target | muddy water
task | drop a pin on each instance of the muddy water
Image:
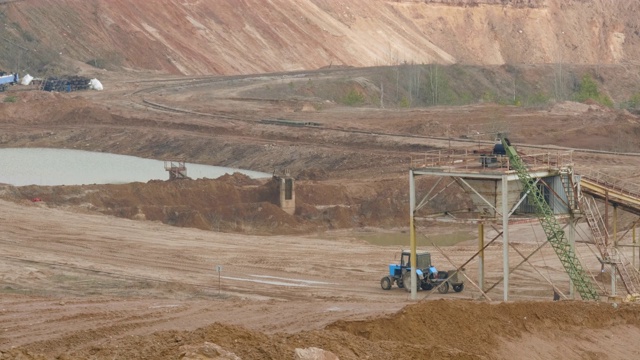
(39, 166)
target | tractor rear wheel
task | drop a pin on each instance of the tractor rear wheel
(444, 288)
(386, 282)
(458, 288)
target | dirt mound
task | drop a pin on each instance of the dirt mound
(41, 107)
(573, 108)
(231, 203)
(440, 329)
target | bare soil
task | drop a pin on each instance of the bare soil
(100, 272)
(213, 268)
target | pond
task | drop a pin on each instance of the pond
(49, 167)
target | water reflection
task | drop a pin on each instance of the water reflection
(40, 166)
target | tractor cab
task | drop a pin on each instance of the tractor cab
(423, 264)
(423, 260)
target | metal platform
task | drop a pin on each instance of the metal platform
(495, 189)
(478, 165)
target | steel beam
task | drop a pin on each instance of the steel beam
(412, 235)
(511, 175)
(481, 255)
(505, 236)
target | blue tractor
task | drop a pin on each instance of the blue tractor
(428, 276)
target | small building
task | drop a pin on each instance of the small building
(287, 197)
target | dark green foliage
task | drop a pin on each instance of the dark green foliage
(588, 90)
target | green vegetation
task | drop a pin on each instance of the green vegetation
(404, 102)
(353, 98)
(588, 90)
(537, 99)
(413, 85)
(633, 104)
(423, 85)
(10, 99)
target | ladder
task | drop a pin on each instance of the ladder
(553, 230)
(566, 177)
(624, 274)
(594, 219)
(601, 238)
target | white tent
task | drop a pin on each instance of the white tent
(95, 84)
(26, 80)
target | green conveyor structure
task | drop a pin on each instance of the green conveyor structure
(554, 232)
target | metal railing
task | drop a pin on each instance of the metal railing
(465, 159)
(612, 183)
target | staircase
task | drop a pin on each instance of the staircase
(604, 187)
(627, 281)
(596, 224)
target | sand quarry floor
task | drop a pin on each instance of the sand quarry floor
(76, 283)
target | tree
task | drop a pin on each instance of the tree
(588, 89)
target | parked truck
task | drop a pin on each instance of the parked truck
(428, 276)
(7, 79)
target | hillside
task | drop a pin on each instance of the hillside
(253, 36)
(216, 269)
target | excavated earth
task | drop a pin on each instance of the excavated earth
(130, 270)
(213, 268)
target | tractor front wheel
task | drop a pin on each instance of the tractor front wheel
(458, 288)
(386, 283)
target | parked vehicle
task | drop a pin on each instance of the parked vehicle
(428, 276)
(8, 79)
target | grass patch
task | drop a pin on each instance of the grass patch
(10, 99)
(402, 239)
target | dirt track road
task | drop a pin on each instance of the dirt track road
(122, 277)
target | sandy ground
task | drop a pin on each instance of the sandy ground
(81, 285)
(77, 283)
